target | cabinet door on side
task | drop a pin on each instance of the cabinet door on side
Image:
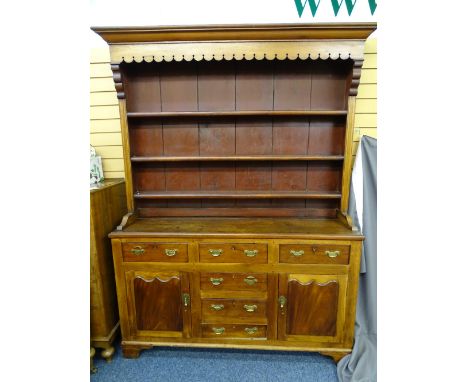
(159, 303)
(311, 307)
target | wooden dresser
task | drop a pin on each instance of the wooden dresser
(238, 150)
(108, 205)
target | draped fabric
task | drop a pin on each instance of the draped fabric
(361, 364)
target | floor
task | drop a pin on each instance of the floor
(221, 365)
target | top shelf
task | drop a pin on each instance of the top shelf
(245, 113)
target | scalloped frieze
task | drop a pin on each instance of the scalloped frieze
(258, 50)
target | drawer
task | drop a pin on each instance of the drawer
(245, 310)
(314, 253)
(233, 281)
(164, 252)
(233, 331)
(233, 253)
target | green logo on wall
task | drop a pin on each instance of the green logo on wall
(336, 4)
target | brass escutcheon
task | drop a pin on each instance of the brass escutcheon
(170, 252)
(296, 253)
(217, 307)
(250, 252)
(137, 250)
(250, 308)
(250, 280)
(251, 330)
(218, 330)
(215, 252)
(332, 254)
(186, 299)
(216, 281)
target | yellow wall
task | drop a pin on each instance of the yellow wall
(105, 126)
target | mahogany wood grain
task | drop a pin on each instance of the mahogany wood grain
(312, 308)
(142, 87)
(158, 302)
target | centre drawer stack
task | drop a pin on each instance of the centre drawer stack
(234, 305)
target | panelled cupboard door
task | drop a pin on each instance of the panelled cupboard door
(311, 307)
(159, 303)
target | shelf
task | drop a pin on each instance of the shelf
(250, 113)
(138, 159)
(237, 195)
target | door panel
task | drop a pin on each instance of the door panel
(313, 308)
(157, 305)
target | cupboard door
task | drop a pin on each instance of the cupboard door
(159, 303)
(311, 307)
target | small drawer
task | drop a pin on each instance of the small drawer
(245, 310)
(233, 281)
(163, 252)
(233, 253)
(233, 331)
(314, 254)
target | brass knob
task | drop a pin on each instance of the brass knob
(216, 280)
(250, 308)
(215, 252)
(332, 254)
(250, 252)
(138, 250)
(170, 252)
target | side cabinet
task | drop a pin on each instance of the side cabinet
(159, 304)
(311, 307)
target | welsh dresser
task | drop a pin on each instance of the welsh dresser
(237, 145)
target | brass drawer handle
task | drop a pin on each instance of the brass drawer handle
(250, 280)
(216, 281)
(186, 299)
(170, 252)
(217, 307)
(218, 330)
(332, 254)
(215, 252)
(251, 330)
(137, 250)
(250, 308)
(250, 252)
(296, 253)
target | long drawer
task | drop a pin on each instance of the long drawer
(314, 254)
(161, 252)
(233, 310)
(234, 331)
(233, 281)
(233, 253)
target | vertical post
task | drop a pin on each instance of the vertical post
(117, 76)
(348, 153)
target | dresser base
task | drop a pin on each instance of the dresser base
(132, 349)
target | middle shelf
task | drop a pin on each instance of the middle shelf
(141, 159)
(236, 195)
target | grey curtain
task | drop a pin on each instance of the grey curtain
(361, 364)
